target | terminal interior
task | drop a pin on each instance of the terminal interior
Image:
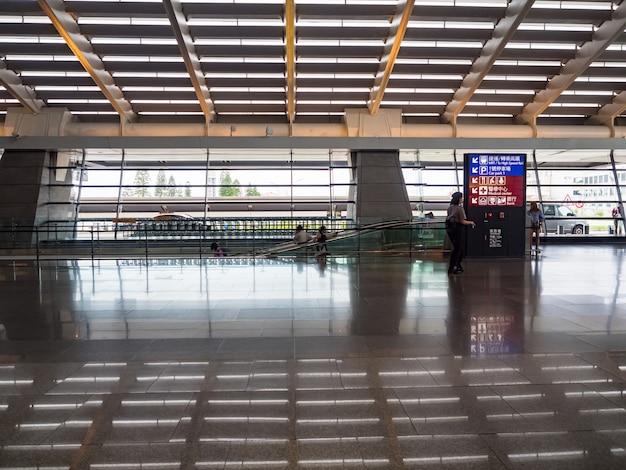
(134, 134)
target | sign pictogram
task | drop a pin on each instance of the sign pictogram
(498, 179)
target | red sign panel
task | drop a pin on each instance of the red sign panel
(496, 180)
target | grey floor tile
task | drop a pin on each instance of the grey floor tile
(372, 365)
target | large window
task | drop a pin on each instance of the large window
(141, 183)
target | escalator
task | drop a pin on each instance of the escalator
(400, 236)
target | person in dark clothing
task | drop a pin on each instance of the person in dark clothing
(455, 220)
(320, 240)
(217, 250)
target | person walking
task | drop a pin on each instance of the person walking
(537, 219)
(455, 220)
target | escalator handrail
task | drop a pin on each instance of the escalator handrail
(286, 247)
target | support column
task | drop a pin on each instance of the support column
(379, 189)
(26, 195)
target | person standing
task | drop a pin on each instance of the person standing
(537, 219)
(455, 220)
(301, 235)
(617, 218)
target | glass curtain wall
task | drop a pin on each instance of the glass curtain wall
(575, 188)
(135, 183)
(579, 190)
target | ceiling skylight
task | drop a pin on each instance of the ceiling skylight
(241, 89)
(31, 40)
(247, 75)
(42, 58)
(392, 90)
(565, 46)
(232, 22)
(133, 40)
(337, 60)
(150, 75)
(573, 5)
(422, 24)
(243, 60)
(173, 89)
(239, 42)
(10, 19)
(450, 44)
(119, 20)
(557, 27)
(141, 58)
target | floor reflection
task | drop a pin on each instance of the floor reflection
(370, 363)
(485, 310)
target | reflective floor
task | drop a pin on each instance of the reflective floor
(294, 363)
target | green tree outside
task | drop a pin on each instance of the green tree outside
(252, 191)
(172, 190)
(228, 186)
(161, 184)
(142, 181)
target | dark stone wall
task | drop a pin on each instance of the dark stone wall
(20, 185)
(380, 193)
(26, 194)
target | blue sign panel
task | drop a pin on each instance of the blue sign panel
(488, 164)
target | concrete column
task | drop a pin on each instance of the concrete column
(26, 195)
(379, 189)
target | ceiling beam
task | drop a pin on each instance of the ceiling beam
(607, 113)
(22, 93)
(397, 31)
(68, 28)
(502, 34)
(374, 143)
(187, 49)
(290, 52)
(606, 34)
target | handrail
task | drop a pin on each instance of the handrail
(355, 232)
(22, 242)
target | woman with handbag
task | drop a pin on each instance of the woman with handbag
(455, 221)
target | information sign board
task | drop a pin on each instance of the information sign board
(496, 179)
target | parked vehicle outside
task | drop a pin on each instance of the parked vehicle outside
(559, 215)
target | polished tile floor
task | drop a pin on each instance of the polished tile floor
(291, 363)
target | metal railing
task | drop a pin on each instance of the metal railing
(192, 239)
